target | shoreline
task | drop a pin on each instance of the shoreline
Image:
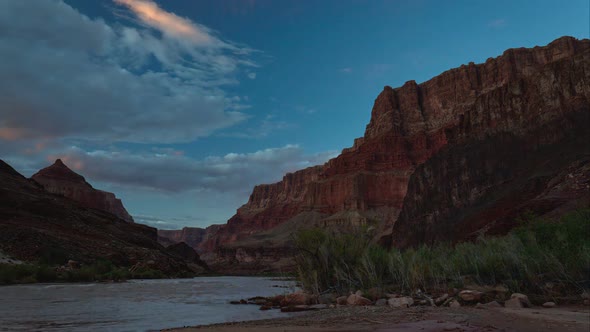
(572, 318)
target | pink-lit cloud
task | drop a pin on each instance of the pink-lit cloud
(11, 134)
(168, 23)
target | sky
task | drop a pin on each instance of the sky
(180, 107)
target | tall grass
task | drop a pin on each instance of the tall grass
(539, 256)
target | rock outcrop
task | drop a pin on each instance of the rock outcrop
(192, 236)
(188, 254)
(38, 226)
(474, 135)
(61, 180)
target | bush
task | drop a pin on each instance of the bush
(532, 255)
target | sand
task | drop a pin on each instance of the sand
(425, 319)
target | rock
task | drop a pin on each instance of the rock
(381, 302)
(470, 295)
(488, 305)
(374, 293)
(549, 305)
(342, 300)
(327, 298)
(454, 304)
(265, 307)
(299, 298)
(355, 299)
(400, 302)
(522, 298)
(61, 180)
(295, 308)
(73, 264)
(258, 300)
(187, 253)
(514, 303)
(441, 299)
(320, 306)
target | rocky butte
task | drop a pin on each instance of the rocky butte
(461, 154)
(38, 225)
(60, 179)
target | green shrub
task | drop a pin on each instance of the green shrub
(535, 253)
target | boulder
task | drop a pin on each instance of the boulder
(454, 304)
(549, 305)
(355, 299)
(488, 305)
(299, 298)
(522, 298)
(341, 300)
(441, 299)
(381, 302)
(318, 306)
(295, 308)
(400, 302)
(470, 295)
(514, 303)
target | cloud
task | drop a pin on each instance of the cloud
(251, 76)
(497, 23)
(168, 23)
(265, 127)
(174, 172)
(346, 70)
(77, 78)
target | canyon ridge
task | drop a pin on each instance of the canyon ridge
(462, 154)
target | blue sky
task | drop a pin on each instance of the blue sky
(180, 106)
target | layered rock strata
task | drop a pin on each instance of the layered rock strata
(438, 149)
(60, 179)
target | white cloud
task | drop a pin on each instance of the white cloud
(346, 70)
(72, 77)
(251, 76)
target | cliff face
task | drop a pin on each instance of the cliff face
(59, 179)
(192, 236)
(458, 133)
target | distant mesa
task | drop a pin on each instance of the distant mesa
(61, 180)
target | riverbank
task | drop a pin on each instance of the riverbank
(423, 318)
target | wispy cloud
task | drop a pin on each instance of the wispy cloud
(173, 25)
(346, 70)
(497, 23)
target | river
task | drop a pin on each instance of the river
(136, 305)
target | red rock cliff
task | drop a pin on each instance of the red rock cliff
(59, 179)
(192, 236)
(517, 93)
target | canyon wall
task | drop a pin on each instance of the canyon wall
(433, 150)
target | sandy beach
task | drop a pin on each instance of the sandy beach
(427, 319)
